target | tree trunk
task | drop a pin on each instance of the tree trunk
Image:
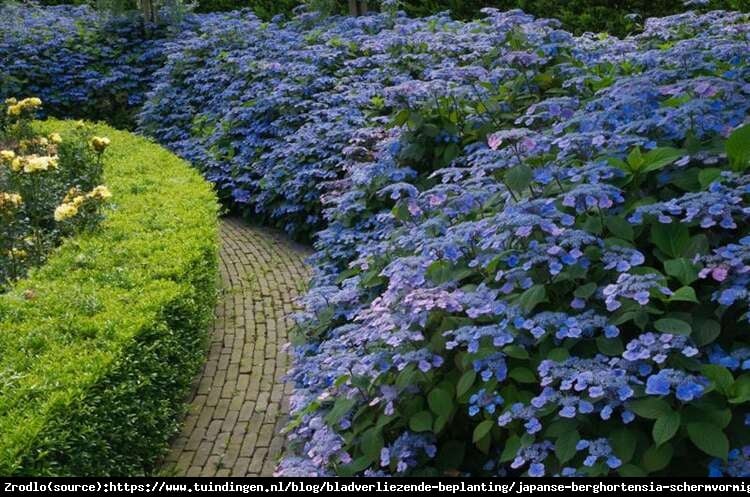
(357, 7)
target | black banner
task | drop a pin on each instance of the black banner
(434, 486)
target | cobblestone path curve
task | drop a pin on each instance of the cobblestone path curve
(239, 401)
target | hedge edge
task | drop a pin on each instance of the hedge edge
(100, 345)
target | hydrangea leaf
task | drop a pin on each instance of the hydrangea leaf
(421, 421)
(440, 402)
(565, 446)
(673, 326)
(672, 239)
(482, 430)
(738, 148)
(682, 269)
(709, 438)
(657, 457)
(665, 427)
(649, 408)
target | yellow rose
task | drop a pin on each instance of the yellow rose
(11, 101)
(55, 138)
(65, 211)
(101, 192)
(99, 143)
(16, 164)
(10, 200)
(14, 110)
(17, 253)
(30, 103)
(7, 155)
(35, 163)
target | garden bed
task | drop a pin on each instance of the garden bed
(101, 343)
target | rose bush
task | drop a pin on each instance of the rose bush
(49, 188)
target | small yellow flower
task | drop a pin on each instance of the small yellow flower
(55, 138)
(65, 211)
(10, 200)
(7, 155)
(99, 143)
(30, 103)
(16, 164)
(33, 163)
(101, 192)
(11, 101)
(17, 253)
(14, 110)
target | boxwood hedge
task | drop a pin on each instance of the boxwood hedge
(99, 346)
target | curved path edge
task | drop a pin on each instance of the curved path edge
(240, 401)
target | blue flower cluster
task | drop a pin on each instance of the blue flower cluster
(80, 62)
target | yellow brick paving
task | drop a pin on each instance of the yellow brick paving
(240, 403)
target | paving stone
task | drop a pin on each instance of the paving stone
(240, 401)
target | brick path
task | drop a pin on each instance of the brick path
(233, 425)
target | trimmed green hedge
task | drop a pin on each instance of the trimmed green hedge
(99, 346)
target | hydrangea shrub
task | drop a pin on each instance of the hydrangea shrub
(82, 63)
(564, 291)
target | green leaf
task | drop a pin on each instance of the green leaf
(631, 471)
(682, 269)
(482, 430)
(720, 376)
(620, 227)
(558, 354)
(635, 159)
(610, 346)
(708, 176)
(532, 297)
(356, 466)
(709, 438)
(465, 382)
(421, 421)
(440, 402)
(684, 294)
(511, 448)
(522, 375)
(673, 326)
(439, 272)
(372, 442)
(623, 444)
(740, 391)
(440, 423)
(738, 148)
(401, 212)
(672, 239)
(666, 427)
(657, 457)
(565, 446)
(340, 408)
(650, 407)
(705, 331)
(519, 178)
(660, 157)
(585, 291)
(516, 352)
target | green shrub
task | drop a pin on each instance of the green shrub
(100, 344)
